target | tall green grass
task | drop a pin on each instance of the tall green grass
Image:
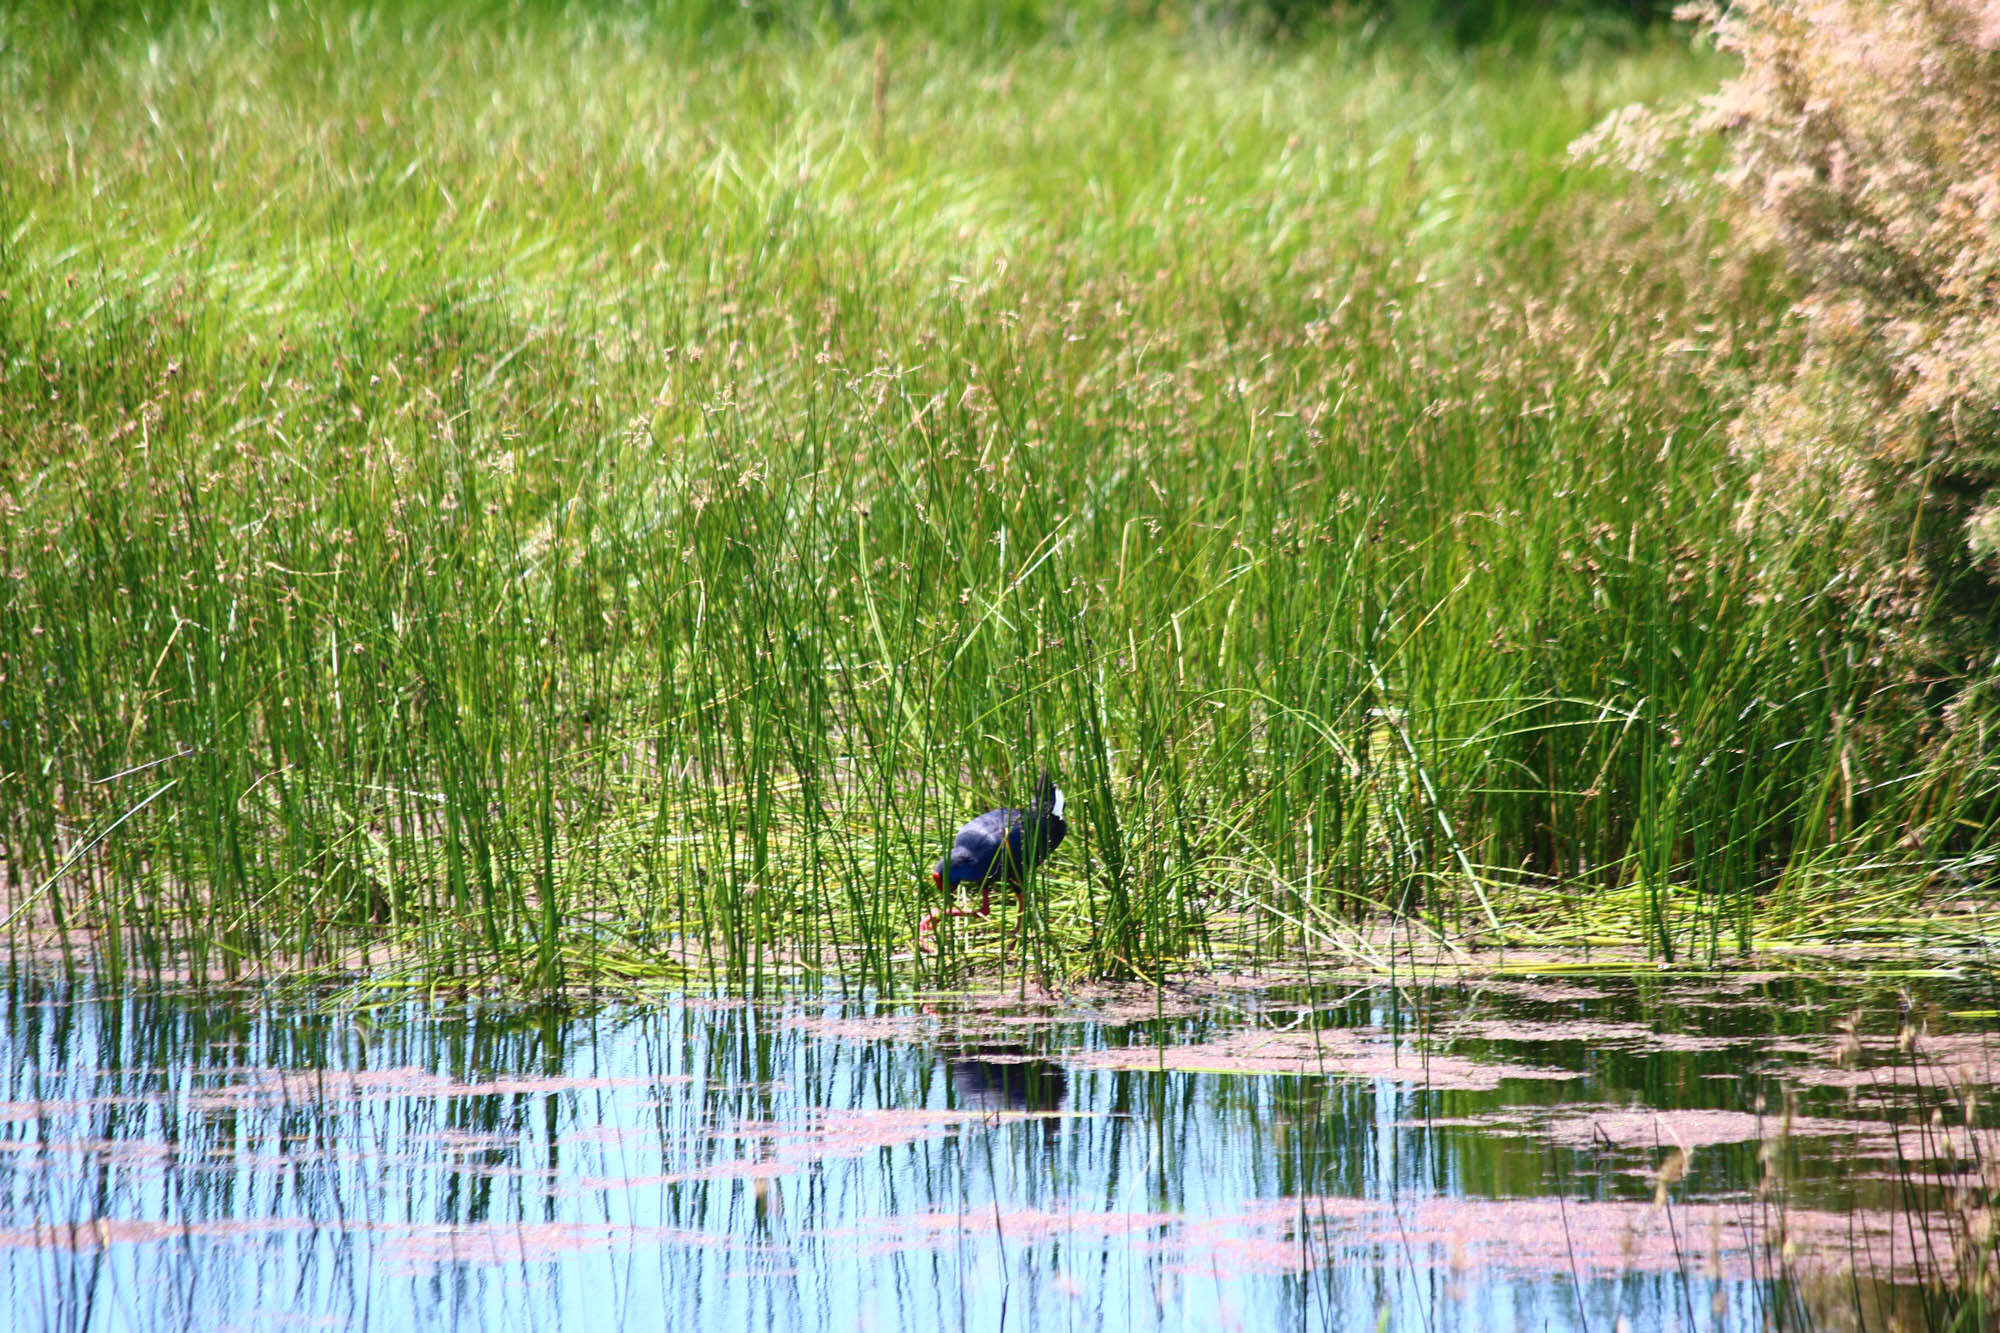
(524, 498)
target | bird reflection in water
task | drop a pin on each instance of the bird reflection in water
(1008, 1078)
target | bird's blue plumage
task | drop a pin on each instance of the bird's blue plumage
(1002, 845)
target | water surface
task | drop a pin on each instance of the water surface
(1553, 1152)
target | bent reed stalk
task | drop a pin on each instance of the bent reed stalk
(563, 505)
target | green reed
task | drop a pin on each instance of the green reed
(529, 500)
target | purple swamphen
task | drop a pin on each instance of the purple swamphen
(999, 847)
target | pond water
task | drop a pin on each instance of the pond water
(1552, 1151)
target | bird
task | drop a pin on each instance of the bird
(998, 847)
(1007, 1078)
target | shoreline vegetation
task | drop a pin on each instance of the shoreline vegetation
(537, 498)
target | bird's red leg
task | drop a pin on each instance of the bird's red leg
(1020, 920)
(929, 923)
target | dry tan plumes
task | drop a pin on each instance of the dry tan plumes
(1863, 144)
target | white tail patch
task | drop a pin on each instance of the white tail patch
(1056, 809)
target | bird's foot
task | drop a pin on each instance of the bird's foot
(927, 928)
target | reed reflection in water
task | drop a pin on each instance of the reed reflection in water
(176, 1162)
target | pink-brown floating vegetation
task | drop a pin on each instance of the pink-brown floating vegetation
(232, 1089)
(545, 1175)
(1596, 1032)
(866, 1027)
(782, 1148)
(1621, 1129)
(729, 1170)
(1122, 1003)
(1513, 1119)
(403, 1244)
(457, 1142)
(425, 1247)
(830, 1132)
(239, 1089)
(935, 1230)
(937, 1024)
(102, 1233)
(104, 1151)
(1749, 979)
(1737, 1238)
(407, 1082)
(1690, 1128)
(753, 1087)
(1950, 1060)
(1814, 1046)
(1535, 992)
(16, 1112)
(1592, 1238)
(1935, 1146)
(1334, 1052)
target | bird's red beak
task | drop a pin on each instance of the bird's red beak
(937, 879)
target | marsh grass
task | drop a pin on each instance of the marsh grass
(533, 499)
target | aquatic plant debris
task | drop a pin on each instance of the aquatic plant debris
(1494, 1237)
(1690, 1128)
(1597, 1033)
(1331, 1052)
(1891, 1063)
